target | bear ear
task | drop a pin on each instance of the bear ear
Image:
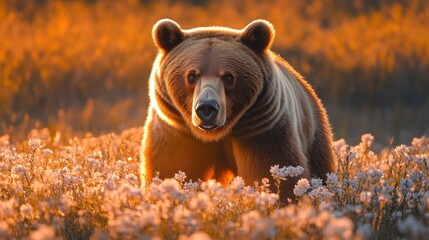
(167, 34)
(258, 35)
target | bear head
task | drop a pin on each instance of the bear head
(205, 79)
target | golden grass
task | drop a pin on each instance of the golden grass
(86, 64)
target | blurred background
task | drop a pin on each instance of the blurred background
(83, 66)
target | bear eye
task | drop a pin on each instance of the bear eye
(228, 79)
(192, 77)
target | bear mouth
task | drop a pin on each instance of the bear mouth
(207, 127)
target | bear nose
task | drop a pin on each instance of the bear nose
(207, 110)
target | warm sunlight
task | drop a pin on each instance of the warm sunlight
(74, 79)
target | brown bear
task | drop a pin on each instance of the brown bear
(223, 105)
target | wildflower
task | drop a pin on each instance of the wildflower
(265, 184)
(256, 227)
(316, 182)
(421, 144)
(183, 217)
(340, 148)
(131, 178)
(202, 201)
(34, 143)
(19, 171)
(122, 165)
(43, 232)
(4, 167)
(212, 187)
(319, 193)
(332, 183)
(156, 180)
(375, 174)
(47, 152)
(236, 186)
(168, 189)
(26, 211)
(416, 176)
(66, 203)
(265, 200)
(412, 227)
(92, 161)
(367, 140)
(361, 175)
(338, 228)
(401, 150)
(191, 186)
(180, 176)
(301, 187)
(406, 184)
(282, 173)
(365, 197)
(353, 183)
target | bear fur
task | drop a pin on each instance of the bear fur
(222, 104)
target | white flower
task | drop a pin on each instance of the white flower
(122, 165)
(375, 174)
(301, 187)
(201, 202)
(212, 187)
(319, 193)
(180, 176)
(365, 197)
(265, 200)
(367, 140)
(340, 148)
(316, 182)
(191, 186)
(47, 152)
(282, 173)
(265, 184)
(256, 227)
(332, 183)
(167, 189)
(338, 228)
(182, 216)
(131, 178)
(236, 186)
(34, 143)
(401, 150)
(19, 171)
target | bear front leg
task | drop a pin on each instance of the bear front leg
(167, 150)
(255, 156)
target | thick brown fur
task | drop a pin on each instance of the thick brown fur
(268, 113)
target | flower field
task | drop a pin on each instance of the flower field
(81, 188)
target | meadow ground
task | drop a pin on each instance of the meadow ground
(55, 188)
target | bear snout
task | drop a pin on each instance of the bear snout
(207, 110)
